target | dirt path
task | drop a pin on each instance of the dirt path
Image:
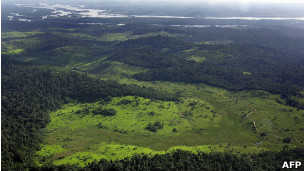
(255, 125)
(253, 121)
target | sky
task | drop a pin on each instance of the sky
(265, 8)
(196, 1)
(227, 1)
(189, 2)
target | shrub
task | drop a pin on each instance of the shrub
(154, 127)
(263, 134)
(124, 102)
(286, 140)
(104, 112)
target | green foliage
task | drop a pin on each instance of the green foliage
(263, 134)
(185, 160)
(30, 92)
(151, 113)
(277, 61)
(129, 123)
(286, 140)
(294, 100)
(11, 51)
(104, 112)
(258, 59)
(228, 62)
(196, 58)
(49, 150)
(131, 118)
(157, 42)
(187, 114)
(83, 111)
(124, 102)
(155, 126)
(17, 34)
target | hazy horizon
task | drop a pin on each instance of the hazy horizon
(192, 8)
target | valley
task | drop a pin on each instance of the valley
(82, 92)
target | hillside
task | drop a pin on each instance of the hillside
(150, 96)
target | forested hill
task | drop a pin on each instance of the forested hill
(233, 66)
(30, 92)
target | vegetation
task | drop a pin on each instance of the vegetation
(184, 160)
(150, 97)
(154, 127)
(30, 92)
(104, 112)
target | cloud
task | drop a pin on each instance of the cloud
(238, 1)
(220, 2)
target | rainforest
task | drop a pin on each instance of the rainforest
(129, 87)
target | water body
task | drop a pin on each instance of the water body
(254, 18)
(204, 26)
(68, 10)
(60, 10)
(158, 16)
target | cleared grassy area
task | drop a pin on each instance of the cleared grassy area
(216, 122)
(79, 129)
(275, 119)
(119, 152)
(12, 51)
(17, 34)
(218, 119)
(196, 58)
(109, 69)
(86, 136)
(272, 117)
(133, 117)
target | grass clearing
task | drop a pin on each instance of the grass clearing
(113, 151)
(12, 51)
(116, 36)
(118, 152)
(196, 58)
(49, 150)
(110, 69)
(86, 136)
(133, 118)
(272, 116)
(206, 119)
(17, 34)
